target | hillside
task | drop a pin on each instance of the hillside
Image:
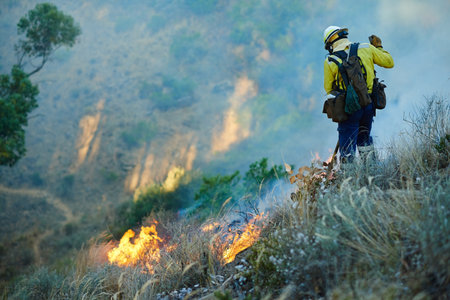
(373, 229)
(157, 96)
(172, 87)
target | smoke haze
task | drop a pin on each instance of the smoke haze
(156, 88)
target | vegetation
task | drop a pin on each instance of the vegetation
(373, 229)
(168, 92)
(152, 68)
(45, 29)
(17, 100)
(199, 199)
(139, 133)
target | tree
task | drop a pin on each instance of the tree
(17, 100)
(46, 29)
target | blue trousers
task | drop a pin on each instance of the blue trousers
(355, 132)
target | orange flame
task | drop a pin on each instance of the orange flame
(241, 241)
(210, 226)
(144, 251)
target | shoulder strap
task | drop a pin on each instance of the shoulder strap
(341, 54)
(341, 70)
(354, 52)
(353, 49)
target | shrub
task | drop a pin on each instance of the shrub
(41, 284)
(169, 92)
(258, 178)
(109, 176)
(138, 133)
(215, 190)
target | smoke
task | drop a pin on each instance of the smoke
(415, 34)
(175, 66)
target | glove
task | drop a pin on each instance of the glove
(375, 41)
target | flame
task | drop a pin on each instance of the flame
(144, 251)
(241, 241)
(210, 226)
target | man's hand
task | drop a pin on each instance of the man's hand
(375, 41)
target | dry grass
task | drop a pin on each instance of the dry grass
(376, 230)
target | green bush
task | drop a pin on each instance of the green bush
(258, 178)
(109, 176)
(139, 133)
(154, 199)
(41, 284)
(169, 92)
(215, 190)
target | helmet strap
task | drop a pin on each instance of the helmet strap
(329, 47)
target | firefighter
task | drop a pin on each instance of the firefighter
(355, 131)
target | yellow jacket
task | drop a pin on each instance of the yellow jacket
(369, 56)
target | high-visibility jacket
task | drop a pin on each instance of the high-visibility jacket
(369, 56)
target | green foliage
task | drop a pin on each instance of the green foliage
(169, 92)
(45, 29)
(109, 176)
(215, 190)
(139, 133)
(42, 284)
(17, 100)
(226, 295)
(153, 199)
(259, 177)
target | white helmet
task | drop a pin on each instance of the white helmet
(332, 30)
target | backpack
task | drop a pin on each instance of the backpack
(352, 72)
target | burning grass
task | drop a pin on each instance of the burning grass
(375, 230)
(145, 250)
